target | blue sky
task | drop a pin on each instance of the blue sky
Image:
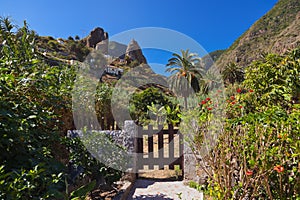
(214, 24)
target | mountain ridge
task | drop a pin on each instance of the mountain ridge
(276, 32)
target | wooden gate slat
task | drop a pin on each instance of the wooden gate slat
(150, 145)
(140, 151)
(163, 161)
(171, 145)
(161, 145)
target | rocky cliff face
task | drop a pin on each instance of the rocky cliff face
(134, 52)
(289, 38)
(117, 49)
(276, 32)
(98, 39)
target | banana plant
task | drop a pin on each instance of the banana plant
(158, 111)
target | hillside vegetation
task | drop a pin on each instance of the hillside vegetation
(276, 32)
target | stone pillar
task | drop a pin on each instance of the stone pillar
(130, 133)
(189, 164)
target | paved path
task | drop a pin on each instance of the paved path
(162, 190)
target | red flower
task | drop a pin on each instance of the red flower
(251, 90)
(249, 172)
(240, 107)
(279, 168)
(207, 99)
(232, 98)
(219, 91)
(209, 108)
(233, 102)
(239, 90)
(203, 102)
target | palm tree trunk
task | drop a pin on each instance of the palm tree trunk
(185, 103)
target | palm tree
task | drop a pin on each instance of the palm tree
(233, 73)
(211, 80)
(186, 73)
(5, 24)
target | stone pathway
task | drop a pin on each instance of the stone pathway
(164, 190)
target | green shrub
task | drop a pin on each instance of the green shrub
(81, 156)
(141, 101)
(257, 151)
(32, 94)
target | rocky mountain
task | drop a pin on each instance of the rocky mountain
(277, 32)
(60, 50)
(120, 57)
(209, 59)
(134, 52)
(98, 39)
(116, 49)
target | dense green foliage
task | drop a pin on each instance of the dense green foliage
(275, 79)
(103, 106)
(92, 169)
(142, 102)
(30, 93)
(233, 73)
(35, 100)
(257, 151)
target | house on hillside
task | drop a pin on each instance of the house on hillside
(113, 71)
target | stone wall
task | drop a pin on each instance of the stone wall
(123, 138)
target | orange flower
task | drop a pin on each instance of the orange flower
(279, 136)
(249, 172)
(279, 168)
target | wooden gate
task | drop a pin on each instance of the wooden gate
(159, 148)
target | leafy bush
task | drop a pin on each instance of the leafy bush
(30, 93)
(91, 167)
(275, 79)
(256, 154)
(141, 101)
(103, 106)
(35, 100)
